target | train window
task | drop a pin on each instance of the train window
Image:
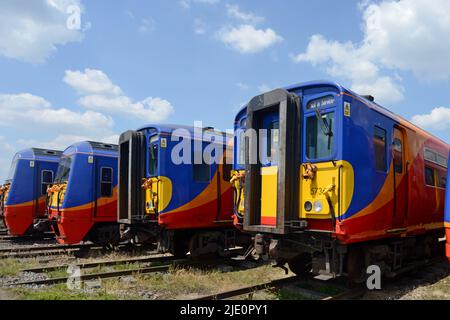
(429, 176)
(442, 161)
(106, 182)
(153, 159)
(12, 170)
(272, 142)
(442, 179)
(398, 155)
(202, 171)
(379, 143)
(319, 135)
(46, 180)
(62, 175)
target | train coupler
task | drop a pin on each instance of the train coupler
(41, 225)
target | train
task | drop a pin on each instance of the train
(82, 203)
(330, 182)
(174, 190)
(24, 192)
(447, 216)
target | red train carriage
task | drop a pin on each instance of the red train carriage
(339, 183)
(169, 193)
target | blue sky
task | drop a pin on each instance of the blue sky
(178, 61)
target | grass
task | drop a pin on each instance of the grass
(9, 267)
(185, 283)
(61, 292)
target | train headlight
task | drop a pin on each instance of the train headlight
(308, 206)
(318, 206)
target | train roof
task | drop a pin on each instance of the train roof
(169, 128)
(364, 99)
(93, 148)
(39, 154)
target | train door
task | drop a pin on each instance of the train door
(269, 138)
(154, 193)
(104, 188)
(401, 182)
(43, 177)
(272, 160)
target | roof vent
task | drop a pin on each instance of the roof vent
(369, 97)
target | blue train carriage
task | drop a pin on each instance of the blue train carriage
(337, 182)
(24, 192)
(180, 205)
(82, 203)
(447, 215)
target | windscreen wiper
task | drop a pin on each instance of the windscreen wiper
(327, 128)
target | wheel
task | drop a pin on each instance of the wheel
(301, 265)
(356, 266)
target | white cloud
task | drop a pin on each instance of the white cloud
(91, 82)
(404, 35)
(410, 35)
(100, 93)
(187, 3)
(247, 39)
(438, 119)
(347, 61)
(31, 31)
(34, 111)
(235, 12)
(149, 109)
(34, 116)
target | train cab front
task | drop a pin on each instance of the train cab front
(294, 180)
(4, 190)
(139, 191)
(56, 195)
(238, 173)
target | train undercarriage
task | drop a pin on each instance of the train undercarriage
(196, 242)
(322, 255)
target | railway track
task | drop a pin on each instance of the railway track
(10, 238)
(169, 262)
(42, 250)
(311, 291)
(146, 259)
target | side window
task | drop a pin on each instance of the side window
(202, 172)
(153, 159)
(398, 155)
(379, 144)
(106, 182)
(442, 176)
(46, 180)
(429, 176)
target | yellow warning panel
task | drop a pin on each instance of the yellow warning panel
(269, 193)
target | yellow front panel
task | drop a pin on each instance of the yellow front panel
(326, 183)
(159, 195)
(269, 186)
(58, 194)
(238, 185)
